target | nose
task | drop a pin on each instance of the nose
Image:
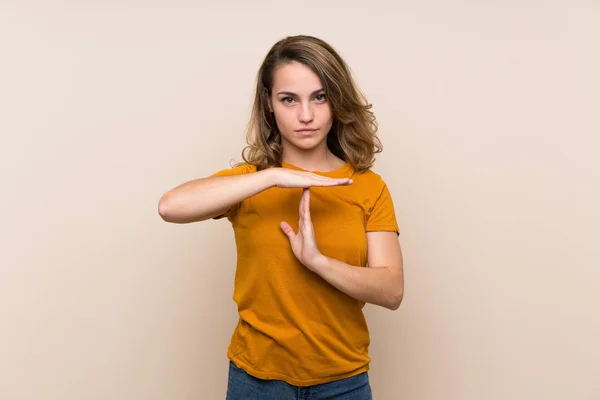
(306, 113)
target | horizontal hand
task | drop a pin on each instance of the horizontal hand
(288, 178)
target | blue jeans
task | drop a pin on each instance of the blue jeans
(242, 386)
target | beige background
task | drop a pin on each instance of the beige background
(488, 113)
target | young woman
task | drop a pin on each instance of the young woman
(315, 229)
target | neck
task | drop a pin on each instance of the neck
(318, 159)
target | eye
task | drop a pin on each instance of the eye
(287, 100)
(321, 97)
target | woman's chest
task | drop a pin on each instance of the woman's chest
(338, 220)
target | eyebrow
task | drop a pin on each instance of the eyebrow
(294, 94)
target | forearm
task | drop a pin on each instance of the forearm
(205, 198)
(381, 285)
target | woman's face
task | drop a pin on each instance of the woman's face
(302, 112)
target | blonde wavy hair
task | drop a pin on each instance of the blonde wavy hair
(353, 134)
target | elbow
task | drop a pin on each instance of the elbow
(164, 208)
(395, 300)
(171, 210)
(395, 291)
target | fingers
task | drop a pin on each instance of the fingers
(306, 203)
(302, 209)
(304, 179)
(305, 223)
(325, 181)
(287, 229)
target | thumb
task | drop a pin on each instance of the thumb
(287, 229)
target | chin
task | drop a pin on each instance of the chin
(307, 144)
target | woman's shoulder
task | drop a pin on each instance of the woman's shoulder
(372, 189)
(236, 169)
(368, 177)
(244, 167)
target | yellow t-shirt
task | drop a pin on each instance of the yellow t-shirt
(293, 325)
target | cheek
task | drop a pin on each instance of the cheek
(325, 114)
(283, 116)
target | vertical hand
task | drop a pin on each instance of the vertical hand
(304, 244)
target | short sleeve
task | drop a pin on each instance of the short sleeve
(237, 170)
(382, 216)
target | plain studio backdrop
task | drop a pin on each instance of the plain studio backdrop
(488, 113)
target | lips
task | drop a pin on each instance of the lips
(306, 133)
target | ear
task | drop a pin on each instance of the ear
(268, 99)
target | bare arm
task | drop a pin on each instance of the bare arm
(205, 198)
(382, 283)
